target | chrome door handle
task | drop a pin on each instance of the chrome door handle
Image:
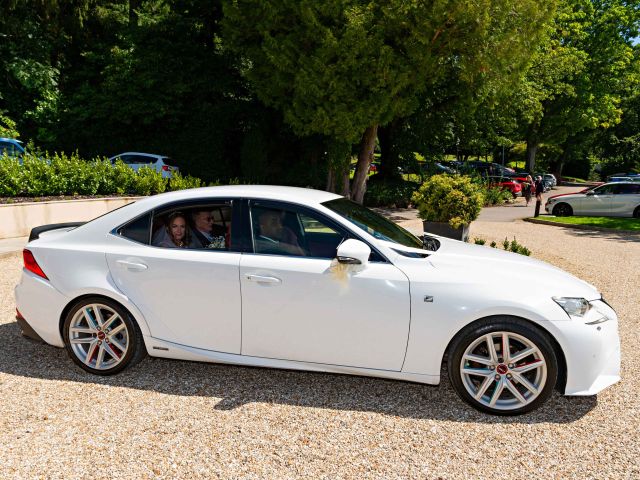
(132, 265)
(263, 279)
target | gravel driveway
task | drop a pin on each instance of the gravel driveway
(171, 419)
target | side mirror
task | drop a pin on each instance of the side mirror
(353, 252)
(590, 194)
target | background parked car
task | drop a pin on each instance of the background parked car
(615, 199)
(550, 178)
(507, 183)
(11, 147)
(136, 160)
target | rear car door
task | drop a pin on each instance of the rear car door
(188, 296)
(626, 197)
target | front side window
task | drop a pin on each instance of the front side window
(280, 231)
(604, 190)
(372, 223)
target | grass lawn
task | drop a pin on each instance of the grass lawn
(605, 222)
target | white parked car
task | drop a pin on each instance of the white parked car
(617, 199)
(136, 160)
(308, 280)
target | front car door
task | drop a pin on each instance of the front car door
(299, 304)
(189, 296)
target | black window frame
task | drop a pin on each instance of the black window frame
(376, 255)
(236, 219)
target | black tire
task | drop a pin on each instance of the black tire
(636, 213)
(135, 351)
(562, 210)
(512, 325)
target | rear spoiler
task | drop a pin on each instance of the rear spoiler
(35, 232)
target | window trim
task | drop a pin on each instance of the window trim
(299, 208)
(161, 209)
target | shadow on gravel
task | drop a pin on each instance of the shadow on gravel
(607, 235)
(237, 386)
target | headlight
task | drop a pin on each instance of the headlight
(575, 307)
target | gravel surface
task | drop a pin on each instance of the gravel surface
(172, 419)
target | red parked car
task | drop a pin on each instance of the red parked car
(507, 183)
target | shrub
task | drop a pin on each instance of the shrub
(515, 247)
(496, 196)
(479, 241)
(449, 198)
(389, 193)
(149, 181)
(10, 176)
(178, 182)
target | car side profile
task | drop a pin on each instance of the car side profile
(614, 199)
(301, 279)
(136, 160)
(11, 147)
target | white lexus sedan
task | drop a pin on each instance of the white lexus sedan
(616, 199)
(308, 280)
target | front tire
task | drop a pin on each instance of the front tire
(101, 336)
(503, 366)
(562, 210)
(636, 213)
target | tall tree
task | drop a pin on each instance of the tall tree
(342, 68)
(580, 73)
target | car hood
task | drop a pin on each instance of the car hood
(463, 263)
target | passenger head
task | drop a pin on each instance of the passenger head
(270, 223)
(203, 220)
(177, 229)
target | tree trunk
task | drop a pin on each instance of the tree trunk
(389, 158)
(532, 148)
(346, 191)
(365, 157)
(331, 181)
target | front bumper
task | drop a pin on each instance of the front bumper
(592, 352)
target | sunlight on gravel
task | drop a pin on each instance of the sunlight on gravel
(172, 419)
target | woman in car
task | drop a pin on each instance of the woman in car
(175, 233)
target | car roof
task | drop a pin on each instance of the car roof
(4, 139)
(141, 153)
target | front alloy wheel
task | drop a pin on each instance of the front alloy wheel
(101, 337)
(505, 368)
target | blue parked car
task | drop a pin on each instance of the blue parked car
(11, 147)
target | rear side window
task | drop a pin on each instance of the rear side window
(627, 189)
(170, 161)
(137, 230)
(143, 159)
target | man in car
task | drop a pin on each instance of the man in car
(274, 237)
(206, 234)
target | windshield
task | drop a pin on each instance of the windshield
(372, 223)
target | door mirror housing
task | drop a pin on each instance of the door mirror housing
(591, 193)
(353, 252)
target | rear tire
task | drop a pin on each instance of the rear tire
(102, 337)
(562, 210)
(492, 382)
(636, 213)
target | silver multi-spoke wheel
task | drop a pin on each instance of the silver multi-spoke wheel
(98, 336)
(503, 370)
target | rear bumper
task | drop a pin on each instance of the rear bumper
(26, 330)
(41, 306)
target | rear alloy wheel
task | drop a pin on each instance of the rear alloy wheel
(101, 337)
(503, 366)
(636, 213)
(563, 210)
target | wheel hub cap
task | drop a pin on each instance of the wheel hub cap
(502, 369)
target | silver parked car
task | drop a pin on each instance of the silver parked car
(136, 160)
(617, 199)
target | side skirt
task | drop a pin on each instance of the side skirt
(164, 349)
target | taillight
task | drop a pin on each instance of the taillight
(31, 264)
(165, 168)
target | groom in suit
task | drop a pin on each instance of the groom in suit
(206, 234)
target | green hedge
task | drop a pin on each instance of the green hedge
(71, 175)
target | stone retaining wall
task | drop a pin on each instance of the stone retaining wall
(17, 220)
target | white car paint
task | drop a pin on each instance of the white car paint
(602, 201)
(137, 160)
(373, 319)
